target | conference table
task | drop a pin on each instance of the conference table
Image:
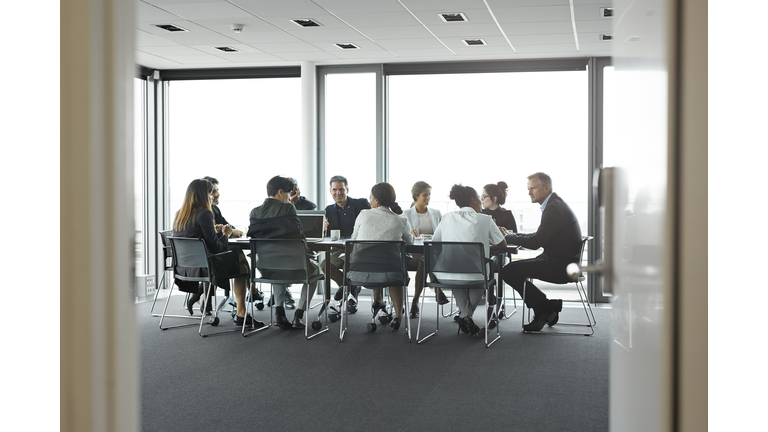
(328, 245)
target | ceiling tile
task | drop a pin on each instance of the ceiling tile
(482, 50)
(243, 48)
(443, 5)
(595, 26)
(523, 3)
(144, 39)
(147, 12)
(360, 6)
(148, 27)
(193, 11)
(281, 8)
(198, 59)
(432, 18)
(562, 48)
(533, 14)
(390, 44)
(364, 54)
(277, 36)
(166, 2)
(381, 19)
(307, 56)
(322, 34)
(154, 61)
(537, 28)
(399, 32)
(207, 38)
(277, 48)
(469, 30)
(165, 51)
(246, 57)
(224, 25)
(542, 39)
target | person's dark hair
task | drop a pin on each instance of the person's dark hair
(339, 179)
(276, 183)
(462, 195)
(498, 191)
(211, 179)
(295, 183)
(544, 179)
(385, 195)
(417, 189)
(196, 199)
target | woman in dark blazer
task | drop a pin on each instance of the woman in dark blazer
(494, 195)
(195, 220)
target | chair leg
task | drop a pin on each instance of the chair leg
(164, 315)
(323, 311)
(253, 315)
(488, 308)
(437, 321)
(342, 327)
(157, 292)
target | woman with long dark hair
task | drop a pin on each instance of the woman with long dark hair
(195, 220)
(384, 221)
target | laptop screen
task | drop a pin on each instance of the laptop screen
(312, 224)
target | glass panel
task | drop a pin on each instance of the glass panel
(477, 129)
(242, 132)
(350, 132)
(139, 147)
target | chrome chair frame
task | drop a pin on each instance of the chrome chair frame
(486, 284)
(403, 268)
(287, 260)
(591, 322)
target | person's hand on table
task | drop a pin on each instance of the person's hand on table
(325, 227)
(503, 230)
(237, 233)
(415, 233)
(227, 229)
(218, 227)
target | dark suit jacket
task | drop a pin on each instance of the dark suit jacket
(355, 205)
(559, 232)
(217, 216)
(202, 228)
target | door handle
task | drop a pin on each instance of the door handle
(604, 189)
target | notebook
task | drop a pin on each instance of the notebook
(312, 225)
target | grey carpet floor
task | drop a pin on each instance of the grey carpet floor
(277, 380)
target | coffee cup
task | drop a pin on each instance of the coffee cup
(335, 235)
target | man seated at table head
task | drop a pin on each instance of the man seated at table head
(341, 215)
(298, 200)
(218, 218)
(276, 218)
(559, 234)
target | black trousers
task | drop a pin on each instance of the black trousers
(543, 267)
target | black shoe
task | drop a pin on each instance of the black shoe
(441, 298)
(491, 299)
(283, 322)
(290, 303)
(471, 326)
(298, 323)
(271, 301)
(395, 324)
(556, 305)
(462, 325)
(194, 298)
(351, 306)
(339, 294)
(377, 306)
(208, 307)
(249, 322)
(414, 312)
(290, 306)
(539, 320)
(256, 295)
(493, 321)
(553, 319)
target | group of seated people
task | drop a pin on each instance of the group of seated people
(480, 218)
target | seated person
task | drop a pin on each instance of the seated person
(276, 218)
(195, 220)
(299, 201)
(341, 216)
(384, 222)
(423, 220)
(467, 224)
(494, 195)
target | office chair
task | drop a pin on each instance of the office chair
(192, 253)
(372, 265)
(448, 258)
(579, 283)
(285, 262)
(168, 261)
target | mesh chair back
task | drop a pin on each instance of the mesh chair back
(167, 250)
(280, 254)
(375, 263)
(459, 258)
(189, 252)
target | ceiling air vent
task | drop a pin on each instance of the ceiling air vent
(346, 46)
(473, 42)
(453, 17)
(227, 49)
(606, 37)
(606, 12)
(170, 27)
(306, 22)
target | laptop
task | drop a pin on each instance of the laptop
(312, 224)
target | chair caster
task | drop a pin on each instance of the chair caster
(317, 325)
(333, 317)
(371, 327)
(214, 322)
(351, 309)
(260, 306)
(385, 319)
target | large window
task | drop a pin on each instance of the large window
(139, 149)
(481, 128)
(350, 132)
(240, 131)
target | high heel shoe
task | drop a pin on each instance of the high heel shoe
(395, 324)
(194, 298)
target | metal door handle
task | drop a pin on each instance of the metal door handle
(604, 188)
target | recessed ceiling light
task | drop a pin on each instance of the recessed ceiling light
(473, 42)
(306, 22)
(606, 37)
(453, 17)
(170, 27)
(606, 12)
(227, 49)
(347, 46)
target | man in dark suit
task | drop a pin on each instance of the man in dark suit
(560, 235)
(341, 215)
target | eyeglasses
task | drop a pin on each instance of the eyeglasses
(482, 197)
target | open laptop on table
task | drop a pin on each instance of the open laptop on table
(312, 223)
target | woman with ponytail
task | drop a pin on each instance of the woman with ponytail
(494, 195)
(384, 221)
(424, 221)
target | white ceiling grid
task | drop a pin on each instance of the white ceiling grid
(385, 31)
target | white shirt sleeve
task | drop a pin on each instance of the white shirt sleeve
(495, 234)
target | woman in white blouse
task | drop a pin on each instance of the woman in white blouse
(467, 224)
(424, 221)
(384, 222)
